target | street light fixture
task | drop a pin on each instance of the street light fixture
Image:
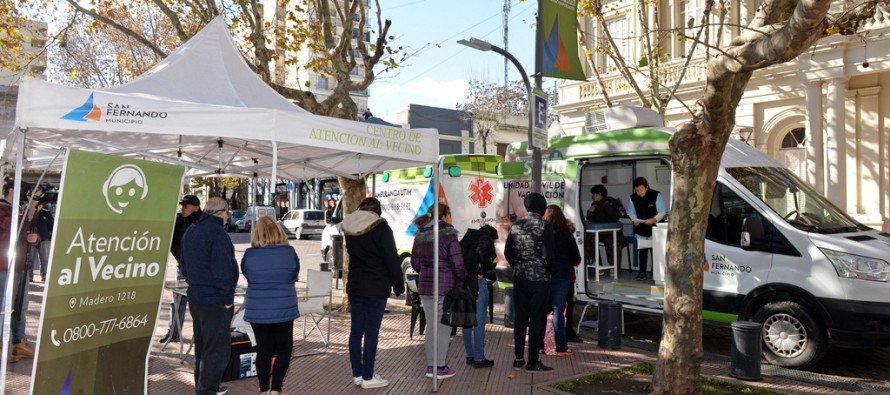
(485, 46)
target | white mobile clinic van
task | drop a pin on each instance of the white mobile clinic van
(776, 251)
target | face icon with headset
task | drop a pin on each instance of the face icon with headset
(125, 185)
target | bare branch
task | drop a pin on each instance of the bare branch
(123, 29)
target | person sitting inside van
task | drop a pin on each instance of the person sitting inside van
(603, 209)
(646, 208)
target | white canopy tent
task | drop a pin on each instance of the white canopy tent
(204, 108)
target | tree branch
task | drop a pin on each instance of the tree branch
(121, 28)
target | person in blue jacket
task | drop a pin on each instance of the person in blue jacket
(271, 267)
(212, 274)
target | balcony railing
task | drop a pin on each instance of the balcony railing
(616, 85)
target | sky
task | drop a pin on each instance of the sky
(438, 68)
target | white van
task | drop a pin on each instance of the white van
(776, 251)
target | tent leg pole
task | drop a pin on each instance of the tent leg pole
(10, 263)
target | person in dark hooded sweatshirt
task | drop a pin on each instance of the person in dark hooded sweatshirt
(477, 246)
(529, 250)
(375, 272)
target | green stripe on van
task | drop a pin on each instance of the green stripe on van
(471, 164)
(715, 316)
(649, 141)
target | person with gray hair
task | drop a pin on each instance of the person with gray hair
(212, 274)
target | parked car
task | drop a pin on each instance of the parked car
(234, 216)
(251, 215)
(304, 222)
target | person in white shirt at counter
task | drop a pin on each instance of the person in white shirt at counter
(646, 208)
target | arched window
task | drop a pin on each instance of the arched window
(796, 138)
(793, 152)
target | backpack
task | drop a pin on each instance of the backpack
(476, 244)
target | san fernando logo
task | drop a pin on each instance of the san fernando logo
(87, 111)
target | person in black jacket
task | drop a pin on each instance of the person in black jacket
(190, 211)
(529, 250)
(374, 273)
(603, 209)
(478, 251)
(567, 257)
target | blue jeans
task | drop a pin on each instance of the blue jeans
(366, 316)
(211, 326)
(474, 338)
(559, 287)
(17, 318)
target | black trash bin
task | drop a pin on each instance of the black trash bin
(746, 350)
(610, 321)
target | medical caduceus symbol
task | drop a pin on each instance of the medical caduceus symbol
(481, 192)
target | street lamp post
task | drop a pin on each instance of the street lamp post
(485, 46)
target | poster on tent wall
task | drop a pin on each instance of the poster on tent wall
(108, 261)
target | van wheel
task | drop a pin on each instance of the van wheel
(792, 337)
(327, 257)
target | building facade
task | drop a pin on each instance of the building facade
(824, 115)
(294, 74)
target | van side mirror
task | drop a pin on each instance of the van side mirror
(752, 233)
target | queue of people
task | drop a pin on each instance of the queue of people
(540, 247)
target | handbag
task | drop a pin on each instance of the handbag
(459, 308)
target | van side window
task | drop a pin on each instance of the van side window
(725, 219)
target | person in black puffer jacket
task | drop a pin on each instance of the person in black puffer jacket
(374, 273)
(529, 250)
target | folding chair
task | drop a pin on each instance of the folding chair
(313, 308)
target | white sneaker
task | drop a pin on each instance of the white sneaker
(376, 382)
(357, 380)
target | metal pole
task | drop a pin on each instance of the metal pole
(436, 333)
(536, 156)
(10, 263)
(539, 58)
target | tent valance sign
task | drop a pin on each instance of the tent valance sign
(203, 107)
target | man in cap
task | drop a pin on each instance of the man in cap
(529, 250)
(190, 211)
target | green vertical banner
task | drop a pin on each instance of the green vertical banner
(559, 40)
(108, 261)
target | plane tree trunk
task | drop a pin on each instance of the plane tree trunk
(780, 31)
(353, 191)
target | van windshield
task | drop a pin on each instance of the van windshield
(795, 201)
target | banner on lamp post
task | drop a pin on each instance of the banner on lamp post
(559, 40)
(107, 265)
